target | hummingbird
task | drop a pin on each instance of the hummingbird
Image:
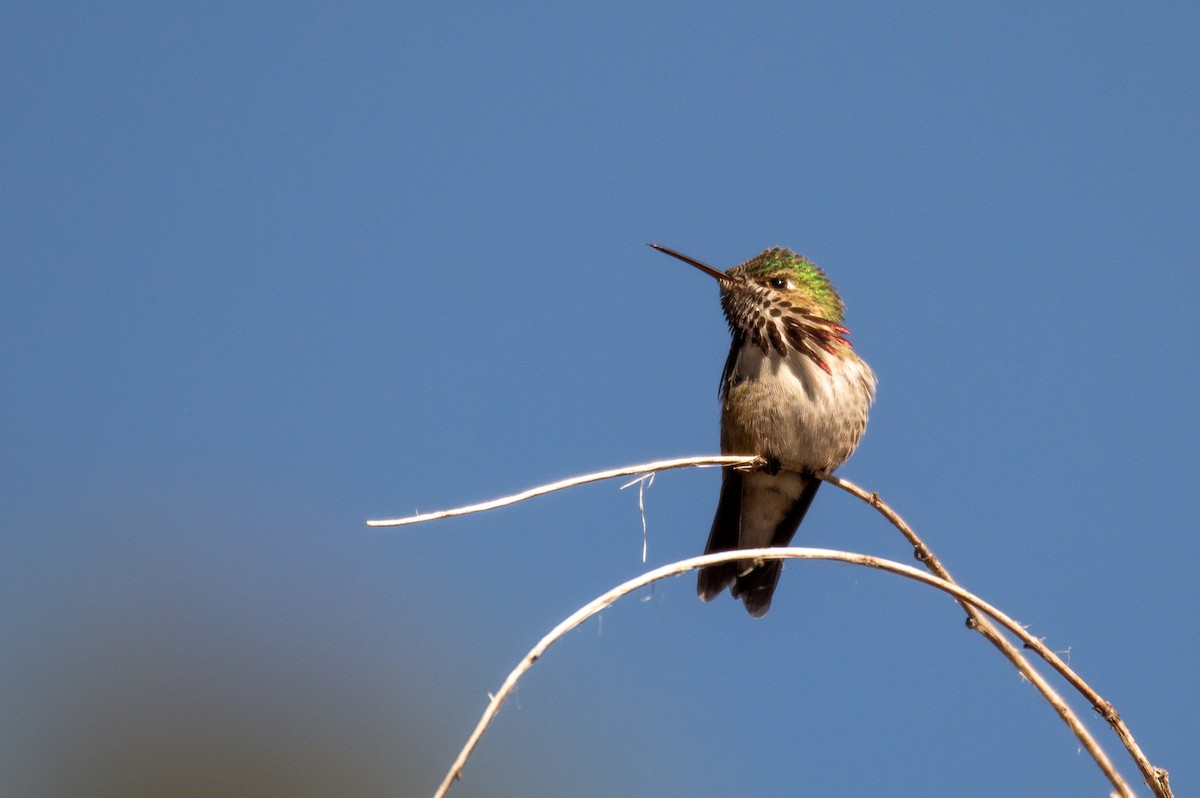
(793, 392)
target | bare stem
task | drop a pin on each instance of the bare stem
(645, 468)
(674, 569)
(1156, 778)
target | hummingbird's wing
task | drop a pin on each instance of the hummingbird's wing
(756, 510)
(723, 536)
(739, 338)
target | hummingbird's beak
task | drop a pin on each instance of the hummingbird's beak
(720, 276)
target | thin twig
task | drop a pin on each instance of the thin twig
(659, 465)
(683, 566)
(643, 482)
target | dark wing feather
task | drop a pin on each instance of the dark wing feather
(723, 536)
(739, 338)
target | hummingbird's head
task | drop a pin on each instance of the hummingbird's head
(779, 300)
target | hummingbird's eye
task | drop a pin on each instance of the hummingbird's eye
(779, 283)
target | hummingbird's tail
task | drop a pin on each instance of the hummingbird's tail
(780, 502)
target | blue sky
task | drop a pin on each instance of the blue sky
(272, 270)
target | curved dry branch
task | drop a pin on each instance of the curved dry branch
(1155, 778)
(674, 569)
